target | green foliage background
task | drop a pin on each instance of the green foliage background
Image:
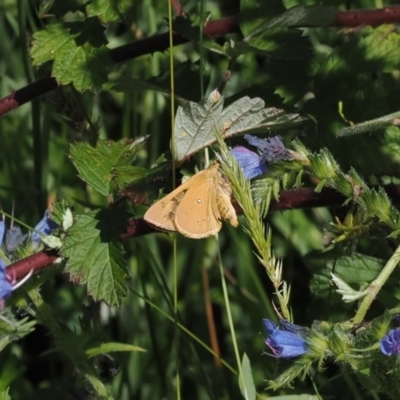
(334, 76)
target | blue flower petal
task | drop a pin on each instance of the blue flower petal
(272, 149)
(44, 226)
(269, 326)
(390, 344)
(251, 163)
(255, 141)
(5, 285)
(2, 268)
(284, 344)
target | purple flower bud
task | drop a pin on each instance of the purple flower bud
(6, 286)
(284, 344)
(251, 163)
(45, 226)
(390, 344)
(272, 149)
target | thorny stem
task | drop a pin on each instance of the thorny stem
(223, 26)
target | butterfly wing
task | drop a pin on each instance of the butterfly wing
(195, 215)
(162, 213)
(225, 207)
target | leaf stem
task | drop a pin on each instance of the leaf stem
(376, 286)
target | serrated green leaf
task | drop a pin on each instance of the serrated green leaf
(111, 347)
(195, 124)
(245, 113)
(84, 64)
(381, 43)
(95, 257)
(249, 389)
(128, 174)
(108, 165)
(108, 10)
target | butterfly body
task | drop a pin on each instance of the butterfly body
(197, 207)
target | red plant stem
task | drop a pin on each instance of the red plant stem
(178, 7)
(373, 17)
(36, 262)
(289, 199)
(212, 29)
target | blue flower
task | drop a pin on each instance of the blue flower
(390, 344)
(284, 344)
(44, 227)
(272, 149)
(269, 150)
(6, 286)
(252, 164)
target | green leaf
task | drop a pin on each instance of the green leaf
(95, 257)
(195, 124)
(109, 10)
(111, 347)
(108, 165)
(249, 389)
(12, 330)
(77, 51)
(356, 270)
